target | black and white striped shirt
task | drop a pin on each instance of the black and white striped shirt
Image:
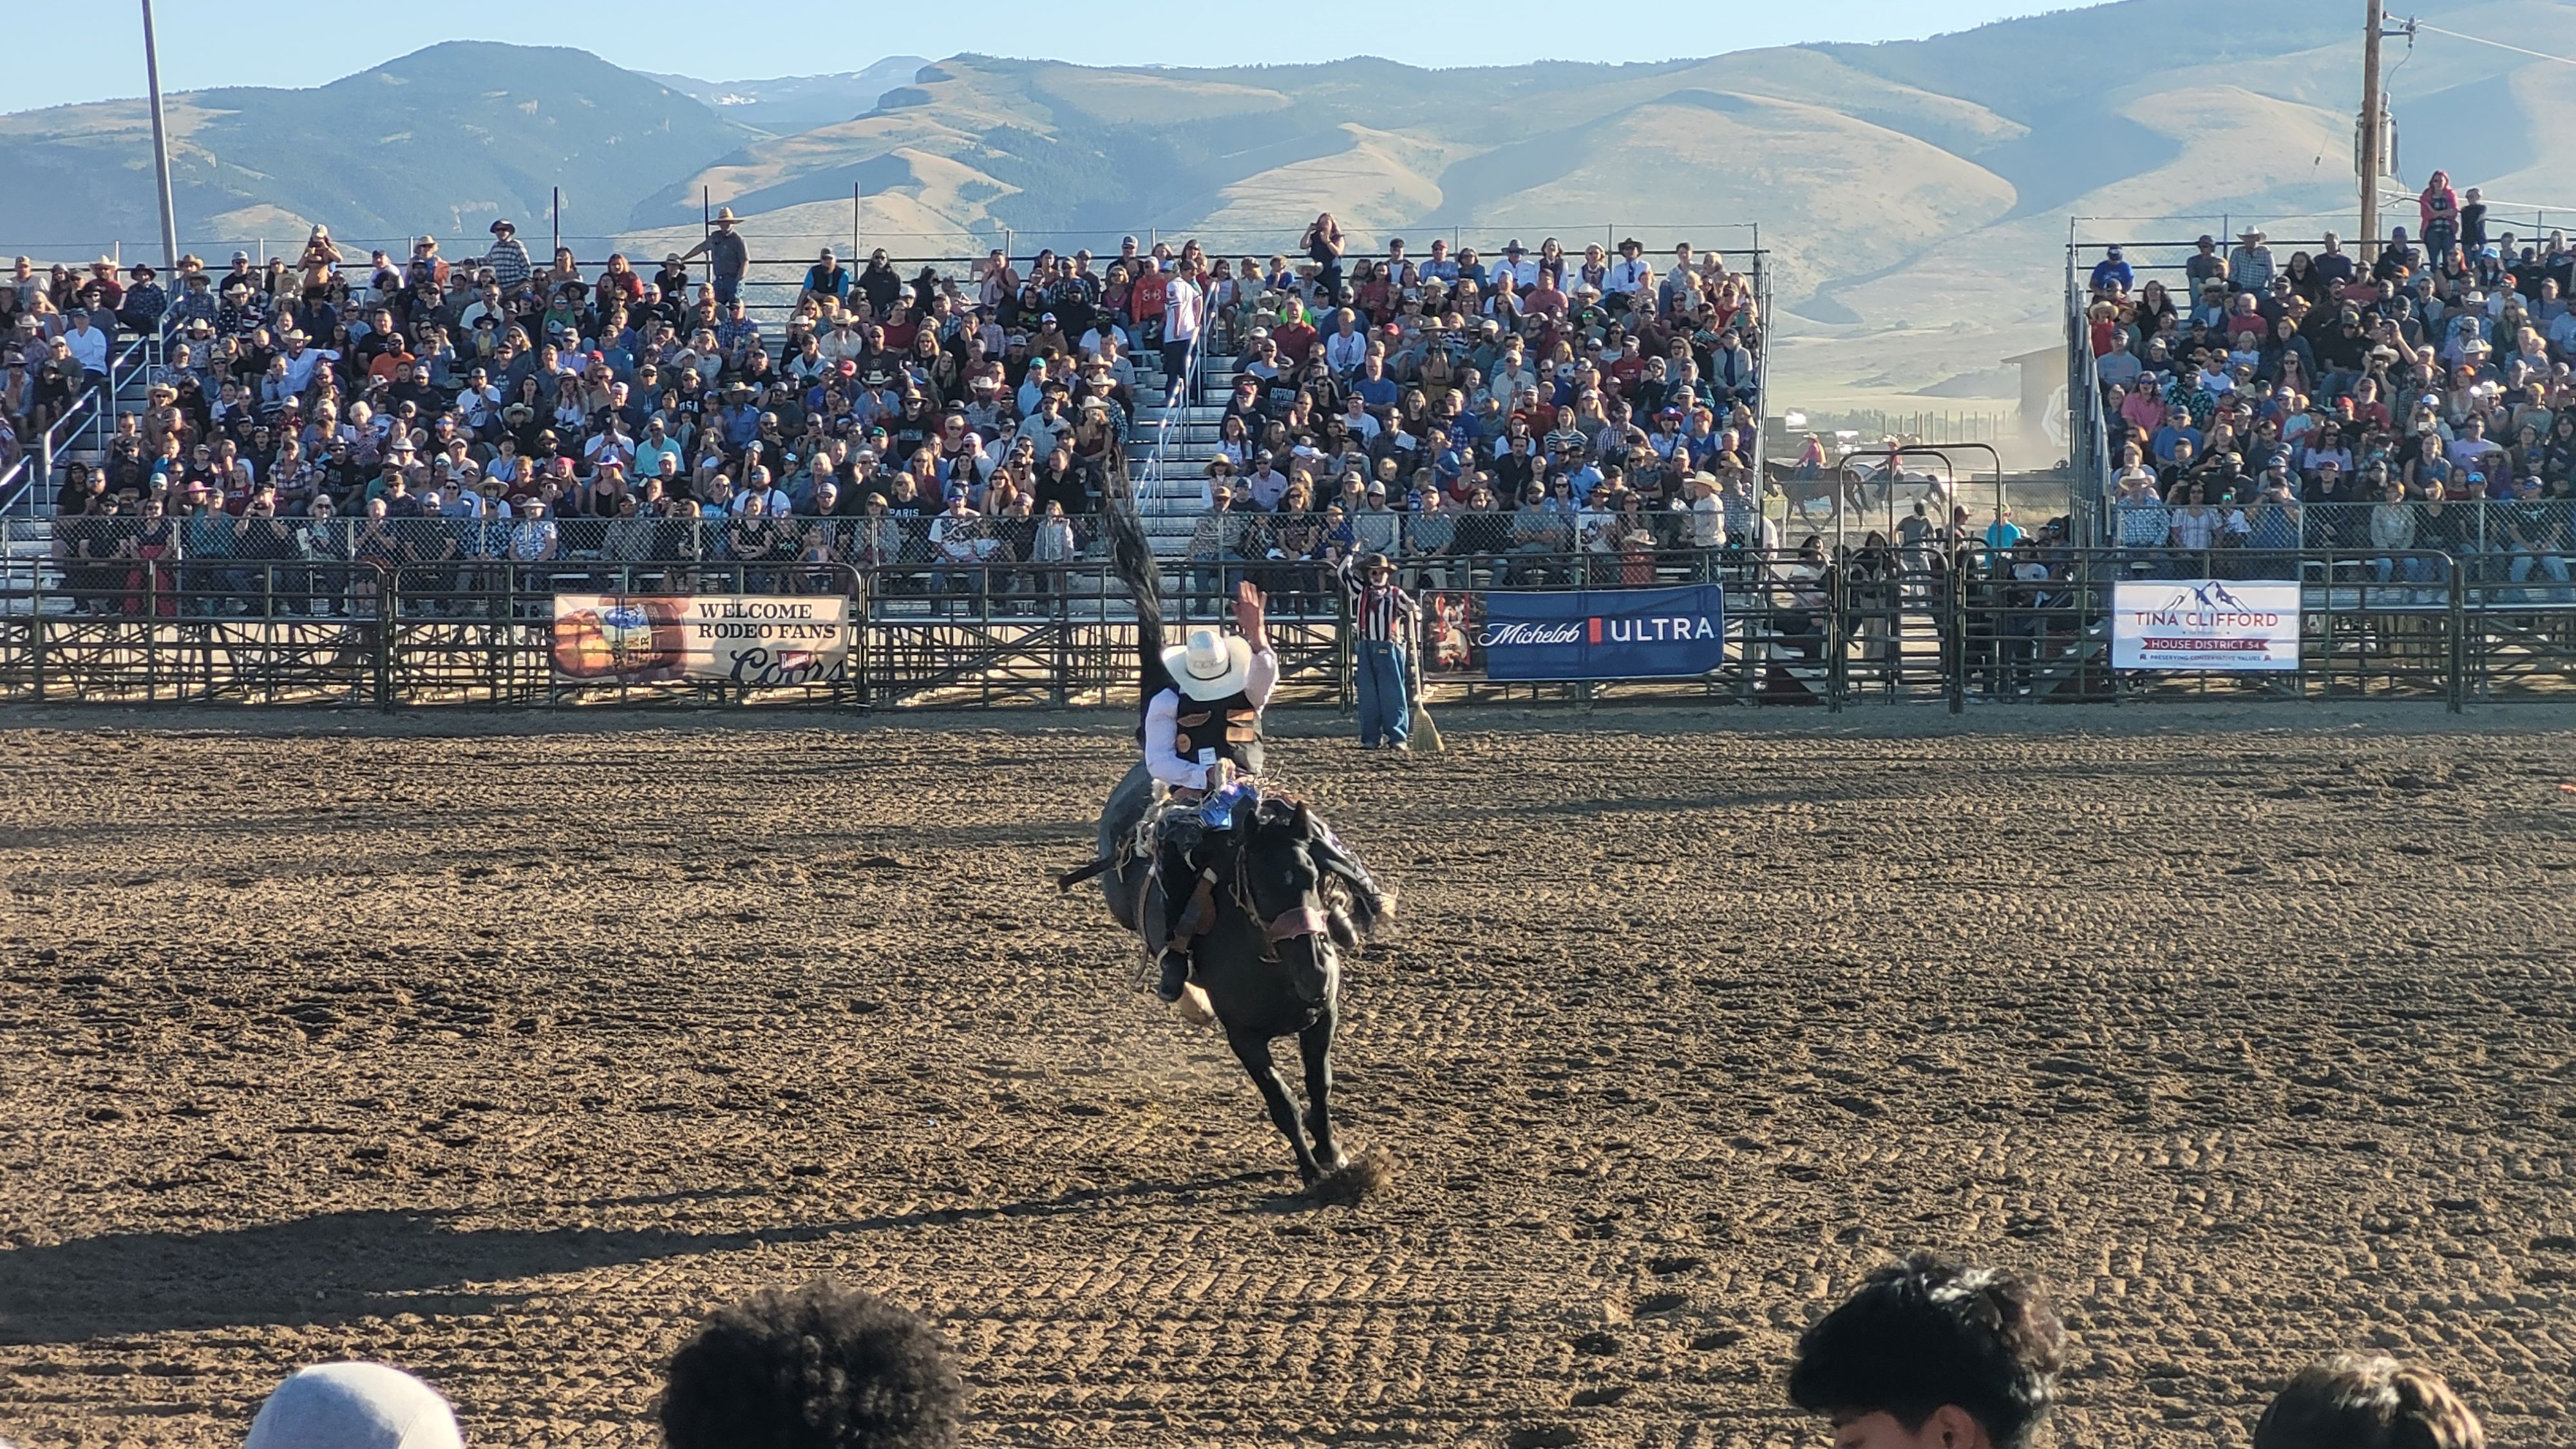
(1378, 615)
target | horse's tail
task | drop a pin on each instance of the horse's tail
(1131, 558)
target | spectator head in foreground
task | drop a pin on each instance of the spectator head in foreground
(817, 1367)
(1932, 1354)
(354, 1406)
(2361, 1401)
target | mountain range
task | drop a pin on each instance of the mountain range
(1914, 196)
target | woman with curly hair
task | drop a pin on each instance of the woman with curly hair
(817, 1367)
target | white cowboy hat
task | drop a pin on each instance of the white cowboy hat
(1211, 665)
(725, 216)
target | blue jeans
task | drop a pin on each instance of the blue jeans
(726, 289)
(1386, 711)
(2550, 564)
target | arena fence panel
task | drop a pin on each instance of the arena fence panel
(1944, 627)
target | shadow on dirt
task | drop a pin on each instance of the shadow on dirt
(349, 1265)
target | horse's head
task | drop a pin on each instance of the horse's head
(1304, 889)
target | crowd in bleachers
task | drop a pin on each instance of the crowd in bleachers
(438, 411)
(2414, 402)
(1927, 1353)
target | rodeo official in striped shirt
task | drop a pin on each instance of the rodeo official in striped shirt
(1385, 622)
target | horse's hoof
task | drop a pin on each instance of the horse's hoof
(1336, 1162)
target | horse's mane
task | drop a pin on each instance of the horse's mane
(1131, 558)
(1367, 903)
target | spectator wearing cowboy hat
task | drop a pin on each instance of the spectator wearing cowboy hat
(426, 262)
(507, 257)
(144, 302)
(2249, 267)
(727, 257)
(1628, 276)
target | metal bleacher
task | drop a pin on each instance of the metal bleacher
(27, 489)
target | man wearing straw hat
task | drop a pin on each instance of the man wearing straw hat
(1202, 735)
(727, 258)
(2249, 267)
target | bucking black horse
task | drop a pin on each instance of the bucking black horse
(1289, 899)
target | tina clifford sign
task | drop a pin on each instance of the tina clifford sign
(1604, 634)
(741, 639)
(2205, 624)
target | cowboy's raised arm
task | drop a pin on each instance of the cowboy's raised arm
(1249, 617)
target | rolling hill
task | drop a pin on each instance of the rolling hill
(441, 141)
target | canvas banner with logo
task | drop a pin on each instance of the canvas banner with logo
(753, 640)
(1604, 633)
(2205, 624)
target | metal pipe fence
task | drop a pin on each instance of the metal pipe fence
(1953, 626)
(2524, 547)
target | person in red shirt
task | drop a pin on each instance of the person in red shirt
(1296, 337)
(1147, 298)
(1627, 367)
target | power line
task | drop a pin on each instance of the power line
(2498, 44)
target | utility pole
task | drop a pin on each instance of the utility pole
(161, 151)
(2374, 119)
(2371, 130)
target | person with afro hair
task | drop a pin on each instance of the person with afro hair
(2359, 1401)
(1932, 1354)
(817, 1367)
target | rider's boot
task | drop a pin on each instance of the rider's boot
(1176, 973)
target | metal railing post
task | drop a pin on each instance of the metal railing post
(2456, 641)
(388, 587)
(36, 634)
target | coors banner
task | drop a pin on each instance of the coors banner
(1604, 634)
(751, 640)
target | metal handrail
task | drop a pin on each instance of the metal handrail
(1165, 425)
(96, 405)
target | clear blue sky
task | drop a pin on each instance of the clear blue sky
(94, 51)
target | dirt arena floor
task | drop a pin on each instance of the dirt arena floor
(503, 1049)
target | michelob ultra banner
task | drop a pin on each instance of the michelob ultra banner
(1604, 633)
(753, 640)
(2205, 624)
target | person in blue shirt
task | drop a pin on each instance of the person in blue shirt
(2177, 428)
(2112, 273)
(1580, 472)
(741, 418)
(827, 278)
(2003, 532)
(1448, 459)
(1376, 388)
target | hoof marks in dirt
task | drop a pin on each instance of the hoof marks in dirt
(1371, 1174)
(1543, 1436)
(1601, 1394)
